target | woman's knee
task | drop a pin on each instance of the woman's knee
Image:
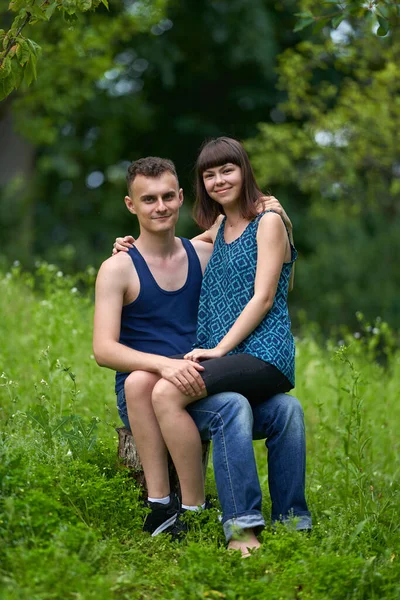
(139, 384)
(165, 396)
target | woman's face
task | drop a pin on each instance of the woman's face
(224, 184)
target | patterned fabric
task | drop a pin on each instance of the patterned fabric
(228, 285)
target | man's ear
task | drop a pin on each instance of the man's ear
(180, 197)
(129, 205)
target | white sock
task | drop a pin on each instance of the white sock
(164, 500)
(194, 508)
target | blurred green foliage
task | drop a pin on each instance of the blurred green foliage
(319, 110)
(19, 54)
(384, 14)
(337, 155)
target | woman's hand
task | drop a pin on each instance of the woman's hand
(272, 203)
(122, 244)
(202, 354)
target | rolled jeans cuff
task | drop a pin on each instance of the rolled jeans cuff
(248, 521)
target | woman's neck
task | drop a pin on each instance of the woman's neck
(234, 216)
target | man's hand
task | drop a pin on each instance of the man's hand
(272, 203)
(184, 374)
(122, 244)
(203, 354)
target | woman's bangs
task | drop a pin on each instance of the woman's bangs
(215, 154)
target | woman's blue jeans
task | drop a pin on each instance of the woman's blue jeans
(228, 420)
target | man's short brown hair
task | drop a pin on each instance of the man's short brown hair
(151, 166)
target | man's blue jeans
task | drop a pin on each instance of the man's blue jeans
(231, 423)
(228, 420)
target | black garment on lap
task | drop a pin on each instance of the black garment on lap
(245, 374)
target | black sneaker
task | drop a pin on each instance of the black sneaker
(181, 525)
(180, 528)
(162, 516)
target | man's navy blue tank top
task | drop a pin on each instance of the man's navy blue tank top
(161, 322)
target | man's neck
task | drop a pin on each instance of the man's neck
(159, 245)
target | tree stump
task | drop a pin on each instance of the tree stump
(129, 457)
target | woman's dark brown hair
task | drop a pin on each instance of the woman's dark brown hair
(214, 153)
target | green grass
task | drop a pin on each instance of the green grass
(70, 517)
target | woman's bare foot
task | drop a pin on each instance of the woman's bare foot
(244, 541)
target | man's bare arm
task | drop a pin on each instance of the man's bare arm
(111, 285)
(209, 235)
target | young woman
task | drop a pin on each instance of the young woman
(243, 321)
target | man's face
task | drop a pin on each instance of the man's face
(155, 201)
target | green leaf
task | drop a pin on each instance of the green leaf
(338, 19)
(30, 70)
(17, 5)
(303, 15)
(303, 23)
(6, 86)
(39, 416)
(383, 26)
(17, 71)
(381, 31)
(382, 11)
(105, 2)
(50, 10)
(37, 13)
(320, 24)
(84, 5)
(5, 68)
(35, 48)
(23, 51)
(69, 7)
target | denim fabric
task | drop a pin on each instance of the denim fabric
(122, 409)
(230, 423)
(281, 421)
(227, 420)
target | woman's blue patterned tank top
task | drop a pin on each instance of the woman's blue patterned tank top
(228, 285)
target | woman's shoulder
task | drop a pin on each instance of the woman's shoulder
(269, 219)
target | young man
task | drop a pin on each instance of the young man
(146, 310)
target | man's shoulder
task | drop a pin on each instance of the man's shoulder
(116, 266)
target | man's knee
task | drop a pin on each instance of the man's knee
(227, 410)
(286, 406)
(234, 407)
(292, 407)
(280, 413)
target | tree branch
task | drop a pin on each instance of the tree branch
(14, 39)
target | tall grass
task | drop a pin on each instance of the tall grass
(70, 517)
